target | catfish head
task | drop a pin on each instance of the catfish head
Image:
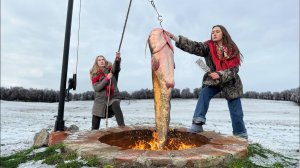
(162, 57)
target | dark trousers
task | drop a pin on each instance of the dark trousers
(116, 109)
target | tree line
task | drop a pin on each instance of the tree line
(46, 95)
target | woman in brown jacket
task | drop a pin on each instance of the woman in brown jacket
(223, 58)
(103, 75)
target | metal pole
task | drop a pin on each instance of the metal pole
(117, 74)
(124, 25)
(60, 123)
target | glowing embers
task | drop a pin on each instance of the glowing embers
(147, 140)
(173, 143)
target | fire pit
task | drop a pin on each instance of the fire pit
(145, 139)
(133, 146)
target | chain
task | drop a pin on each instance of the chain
(159, 17)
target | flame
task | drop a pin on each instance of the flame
(172, 144)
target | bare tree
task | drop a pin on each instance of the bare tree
(46, 95)
(175, 93)
(186, 94)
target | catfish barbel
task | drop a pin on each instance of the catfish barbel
(162, 63)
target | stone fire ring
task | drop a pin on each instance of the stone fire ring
(217, 152)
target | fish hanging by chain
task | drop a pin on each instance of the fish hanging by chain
(162, 62)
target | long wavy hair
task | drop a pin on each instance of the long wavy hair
(96, 68)
(228, 42)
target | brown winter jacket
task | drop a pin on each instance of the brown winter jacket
(230, 82)
(100, 102)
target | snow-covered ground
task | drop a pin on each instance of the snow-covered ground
(273, 124)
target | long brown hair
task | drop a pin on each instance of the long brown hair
(228, 42)
(96, 68)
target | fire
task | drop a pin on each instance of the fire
(172, 144)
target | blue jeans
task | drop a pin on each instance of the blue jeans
(235, 108)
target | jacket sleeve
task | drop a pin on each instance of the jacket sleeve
(100, 85)
(193, 47)
(228, 74)
(116, 67)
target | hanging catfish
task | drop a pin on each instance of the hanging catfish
(162, 62)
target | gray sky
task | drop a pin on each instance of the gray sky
(32, 39)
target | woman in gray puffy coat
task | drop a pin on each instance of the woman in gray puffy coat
(103, 75)
(223, 58)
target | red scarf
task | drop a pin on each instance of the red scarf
(101, 75)
(223, 63)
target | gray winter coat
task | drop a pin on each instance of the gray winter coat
(230, 82)
(100, 102)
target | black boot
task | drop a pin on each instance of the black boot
(95, 122)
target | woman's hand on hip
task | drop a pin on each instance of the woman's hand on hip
(214, 75)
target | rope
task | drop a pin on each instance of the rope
(107, 104)
(78, 35)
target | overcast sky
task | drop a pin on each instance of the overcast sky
(32, 40)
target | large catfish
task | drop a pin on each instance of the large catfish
(162, 62)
